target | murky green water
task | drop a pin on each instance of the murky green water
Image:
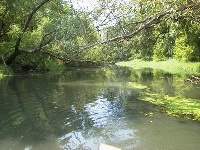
(82, 108)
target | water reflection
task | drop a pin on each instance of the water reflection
(101, 121)
(165, 83)
(80, 109)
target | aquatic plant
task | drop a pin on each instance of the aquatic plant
(178, 106)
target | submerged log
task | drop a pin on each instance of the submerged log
(103, 146)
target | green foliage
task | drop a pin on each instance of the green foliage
(142, 46)
(193, 34)
(168, 33)
(54, 28)
(60, 31)
(31, 40)
(159, 51)
(14, 31)
(6, 48)
(95, 54)
(2, 71)
(73, 30)
(163, 49)
(5, 71)
(182, 50)
(163, 46)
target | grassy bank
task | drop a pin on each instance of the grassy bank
(176, 106)
(171, 66)
(173, 105)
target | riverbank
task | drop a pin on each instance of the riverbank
(178, 106)
(171, 66)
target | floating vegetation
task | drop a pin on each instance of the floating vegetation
(178, 106)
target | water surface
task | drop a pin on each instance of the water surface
(84, 107)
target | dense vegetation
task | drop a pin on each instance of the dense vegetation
(39, 34)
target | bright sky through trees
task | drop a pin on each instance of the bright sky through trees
(88, 5)
(110, 13)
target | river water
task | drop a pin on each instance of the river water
(81, 108)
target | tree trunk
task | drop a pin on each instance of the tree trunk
(16, 53)
(12, 57)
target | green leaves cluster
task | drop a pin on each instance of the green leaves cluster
(55, 30)
(174, 36)
(161, 40)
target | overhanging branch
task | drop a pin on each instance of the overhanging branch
(17, 52)
(28, 22)
(155, 19)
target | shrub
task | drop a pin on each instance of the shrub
(182, 50)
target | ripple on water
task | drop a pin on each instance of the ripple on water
(108, 125)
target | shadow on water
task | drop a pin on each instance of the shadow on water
(81, 108)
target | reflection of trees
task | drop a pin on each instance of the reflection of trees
(56, 105)
(27, 113)
(163, 82)
(142, 76)
(31, 112)
(155, 79)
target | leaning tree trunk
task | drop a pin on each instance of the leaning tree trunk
(12, 57)
(17, 52)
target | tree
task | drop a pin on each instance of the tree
(54, 29)
(51, 29)
(152, 14)
(21, 32)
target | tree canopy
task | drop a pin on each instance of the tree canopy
(39, 33)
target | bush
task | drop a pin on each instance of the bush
(5, 71)
(158, 54)
(182, 50)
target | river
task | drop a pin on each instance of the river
(81, 108)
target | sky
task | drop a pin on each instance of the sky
(88, 5)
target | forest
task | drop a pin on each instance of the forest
(42, 34)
